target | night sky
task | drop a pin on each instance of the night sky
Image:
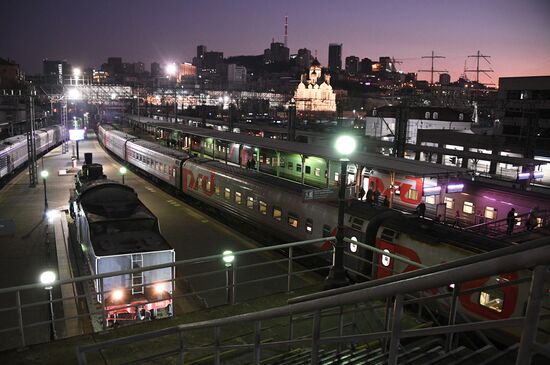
(515, 33)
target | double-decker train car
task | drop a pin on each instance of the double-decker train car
(118, 233)
(13, 150)
(278, 206)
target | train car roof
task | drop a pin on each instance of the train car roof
(250, 176)
(106, 199)
(372, 160)
(179, 155)
(124, 243)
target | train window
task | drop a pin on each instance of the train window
(492, 299)
(238, 197)
(290, 165)
(267, 161)
(282, 162)
(298, 167)
(227, 193)
(293, 220)
(326, 231)
(208, 185)
(336, 176)
(518, 220)
(250, 202)
(217, 189)
(174, 172)
(277, 213)
(317, 171)
(490, 213)
(356, 223)
(308, 170)
(430, 199)
(449, 203)
(262, 206)
(468, 208)
(309, 225)
(386, 260)
(412, 194)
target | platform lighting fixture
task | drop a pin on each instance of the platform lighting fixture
(74, 94)
(76, 72)
(228, 257)
(159, 288)
(171, 69)
(337, 277)
(123, 170)
(113, 96)
(47, 278)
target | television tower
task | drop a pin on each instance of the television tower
(431, 70)
(286, 30)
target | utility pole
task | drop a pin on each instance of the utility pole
(477, 70)
(31, 146)
(431, 70)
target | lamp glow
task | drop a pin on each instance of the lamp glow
(77, 72)
(74, 94)
(117, 295)
(44, 174)
(171, 69)
(47, 278)
(123, 170)
(345, 145)
(159, 288)
(228, 257)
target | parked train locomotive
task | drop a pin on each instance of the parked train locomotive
(278, 207)
(13, 150)
(118, 232)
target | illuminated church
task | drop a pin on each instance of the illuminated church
(313, 95)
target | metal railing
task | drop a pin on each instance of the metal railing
(254, 273)
(499, 228)
(531, 260)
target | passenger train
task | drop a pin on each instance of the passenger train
(13, 150)
(278, 207)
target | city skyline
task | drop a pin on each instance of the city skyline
(512, 33)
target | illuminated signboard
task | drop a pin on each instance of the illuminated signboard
(455, 188)
(76, 134)
(432, 190)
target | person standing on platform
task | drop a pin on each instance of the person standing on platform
(248, 164)
(361, 193)
(510, 221)
(369, 196)
(376, 197)
(253, 164)
(456, 223)
(421, 210)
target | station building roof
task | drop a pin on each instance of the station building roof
(370, 160)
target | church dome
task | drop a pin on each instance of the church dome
(315, 63)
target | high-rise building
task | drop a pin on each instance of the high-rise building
(201, 50)
(139, 67)
(186, 71)
(366, 66)
(114, 65)
(56, 70)
(335, 57)
(277, 52)
(352, 65)
(155, 69)
(304, 58)
(10, 76)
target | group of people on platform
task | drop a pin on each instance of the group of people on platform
(373, 197)
(251, 164)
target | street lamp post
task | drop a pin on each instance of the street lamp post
(228, 259)
(123, 170)
(47, 278)
(337, 276)
(44, 174)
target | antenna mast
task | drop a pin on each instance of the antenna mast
(431, 70)
(477, 69)
(286, 30)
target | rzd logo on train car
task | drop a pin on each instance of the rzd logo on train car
(404, 186)
(204, 182)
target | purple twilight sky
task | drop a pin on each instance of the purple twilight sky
(516, 34)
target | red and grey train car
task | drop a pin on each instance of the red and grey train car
(278, 207)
